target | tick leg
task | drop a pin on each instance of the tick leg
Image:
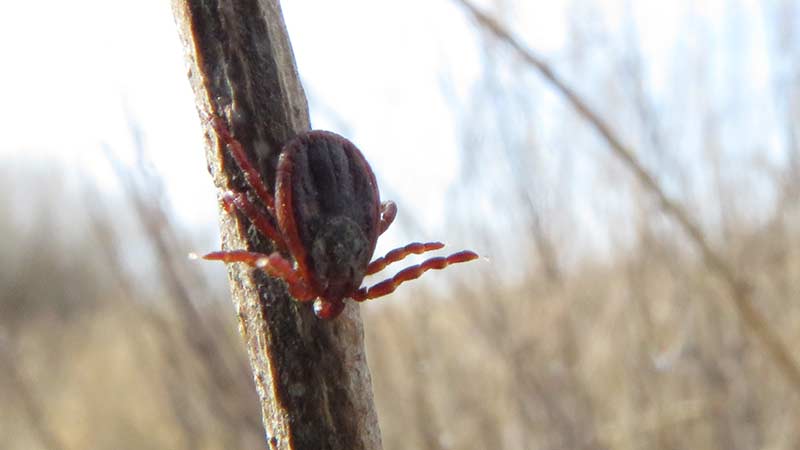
(386, 287)
(239, 200)
(274, 265)
(388, 212)
(251, 175)
(397, 254)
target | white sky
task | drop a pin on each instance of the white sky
(75, 70)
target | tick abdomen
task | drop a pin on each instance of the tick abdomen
(334, 200)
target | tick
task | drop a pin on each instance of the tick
(324, 219)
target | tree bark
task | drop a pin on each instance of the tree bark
(311, 376)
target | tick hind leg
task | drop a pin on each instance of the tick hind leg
(263, 223)
(388, 213)
(250, 172)
(386, 287)
(274, 265)
(239, 200)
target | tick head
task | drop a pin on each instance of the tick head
(339, 257)
(328, 310)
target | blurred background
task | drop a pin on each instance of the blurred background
(591, 323)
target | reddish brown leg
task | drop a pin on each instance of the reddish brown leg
(251, 175)
(274, 265)
(388, 213)
(239, 200)
(397, 254)
(386, 287)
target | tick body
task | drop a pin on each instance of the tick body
(324, 219)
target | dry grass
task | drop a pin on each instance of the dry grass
(638, 347)
(642, 352)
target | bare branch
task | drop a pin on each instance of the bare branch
(741, 292)
(311, 376)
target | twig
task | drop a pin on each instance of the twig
(311, 376)
(741, 292)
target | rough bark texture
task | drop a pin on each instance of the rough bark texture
(312, 377)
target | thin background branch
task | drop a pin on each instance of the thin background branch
(740, 290)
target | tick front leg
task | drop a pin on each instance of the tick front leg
(251, 174)
(397, 254)
(274, 265)
(386, 287)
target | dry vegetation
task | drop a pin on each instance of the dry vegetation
(578, 333)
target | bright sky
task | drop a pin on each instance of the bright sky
(76, 71)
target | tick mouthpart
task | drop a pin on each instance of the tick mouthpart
(327, 310)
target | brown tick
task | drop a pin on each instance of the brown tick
(324, 220)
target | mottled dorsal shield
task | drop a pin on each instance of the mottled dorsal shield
(328, 209)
